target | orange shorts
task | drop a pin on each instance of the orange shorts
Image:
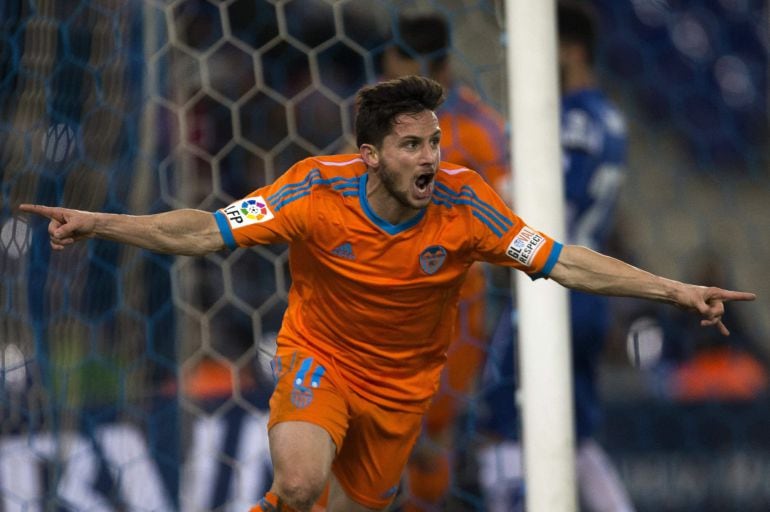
(373, 443)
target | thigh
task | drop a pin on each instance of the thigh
(308, 418)
(372, 458)
(301, 453)
(309, 390)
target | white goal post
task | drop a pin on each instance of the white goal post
(544, 337)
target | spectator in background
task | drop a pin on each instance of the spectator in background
(710, 368)
(719, 370)
(473, 135)
(594, 151)
(472, 132)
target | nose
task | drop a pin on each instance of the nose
(429, 152)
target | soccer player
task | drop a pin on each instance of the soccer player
(472, 135)
(380, 242)
(593, 140)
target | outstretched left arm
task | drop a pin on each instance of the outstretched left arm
(185, 232)
(582, 269)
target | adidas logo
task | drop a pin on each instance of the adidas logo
(344, 251)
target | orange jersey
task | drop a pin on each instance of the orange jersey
(380, 300)
(473, 135)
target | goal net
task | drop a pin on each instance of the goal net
(136, 381)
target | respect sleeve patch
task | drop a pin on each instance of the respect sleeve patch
(245, 212)
(525, 245)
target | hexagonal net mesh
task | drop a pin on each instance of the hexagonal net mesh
(130, 379)
(137, 381)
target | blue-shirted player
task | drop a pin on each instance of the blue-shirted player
(593, 139)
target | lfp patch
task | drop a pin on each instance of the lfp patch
(432, 258)
(248, 211)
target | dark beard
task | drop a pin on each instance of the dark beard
(389, 180)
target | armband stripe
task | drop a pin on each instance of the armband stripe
(224, 230)
(488, 224)
(291, 187)
(293, 191)
(467, 192)
(552, 258)
(488, 215)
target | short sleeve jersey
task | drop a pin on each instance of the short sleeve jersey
(380, 300)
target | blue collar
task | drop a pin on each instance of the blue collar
(391, 229)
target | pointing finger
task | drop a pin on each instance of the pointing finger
(730, 295)
(39, 209)
(34, 208)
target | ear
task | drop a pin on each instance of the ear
(370, 156)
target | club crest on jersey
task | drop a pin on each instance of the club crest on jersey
(248, 211)
(301, 396)
(525, 245)
(432, 258)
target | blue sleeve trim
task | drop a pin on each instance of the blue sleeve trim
(550, 262)
(552, 259)
(224, 230)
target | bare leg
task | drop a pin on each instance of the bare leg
(302, 456)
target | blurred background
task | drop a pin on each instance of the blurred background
(137, 381)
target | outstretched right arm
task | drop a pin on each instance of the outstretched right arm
(186, 232)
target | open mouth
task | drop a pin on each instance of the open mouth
(424, 182)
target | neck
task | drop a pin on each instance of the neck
(384, 204)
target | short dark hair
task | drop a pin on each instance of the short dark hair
(423, 34)
(377, 106)
(577, 24)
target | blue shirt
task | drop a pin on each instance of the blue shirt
(593, 140)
